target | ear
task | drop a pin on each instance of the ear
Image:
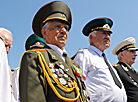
(90, 37)
(43, 31)
(121, 54)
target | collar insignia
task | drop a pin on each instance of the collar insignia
(125, 68)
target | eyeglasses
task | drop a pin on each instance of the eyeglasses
(5, 40)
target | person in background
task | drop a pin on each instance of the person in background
(102, 81)
(126, 54)
(48, 74)
(32, 42)
(12, 71)
(6, 37)
(5, 88)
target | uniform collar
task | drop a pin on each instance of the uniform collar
(57, 49)
(95, 49)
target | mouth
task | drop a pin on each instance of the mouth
(133, 58)
(106, 41)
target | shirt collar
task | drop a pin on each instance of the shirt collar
(95, 49)
(57, 49)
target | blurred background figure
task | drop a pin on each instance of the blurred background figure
(32, 42)
(5, 89)
(6, 37)
(126, 53)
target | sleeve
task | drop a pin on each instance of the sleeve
(31, 84)
(81, 60)
(5, 88)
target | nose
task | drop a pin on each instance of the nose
(136, 54)
(63, 30)
(7, 49)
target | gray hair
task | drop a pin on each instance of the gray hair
(4, 29)
(46, 25)
(92, 33)
(119, 57)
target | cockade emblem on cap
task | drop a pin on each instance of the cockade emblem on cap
(133, 42)
(106, 26)
(38, 43)
(63, 16)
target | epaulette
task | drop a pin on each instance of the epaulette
(115, 65)
(74, 55)
(82, 50)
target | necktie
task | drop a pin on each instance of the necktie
(112, 72)
(67, 59)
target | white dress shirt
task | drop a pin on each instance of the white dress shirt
(15, 83)
(99, 82)
(5, 88)
(58, 50)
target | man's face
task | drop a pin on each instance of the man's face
(101, 40)
(7, 39)
(56, 33)
(128, 56)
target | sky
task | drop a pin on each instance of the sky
(17, 16)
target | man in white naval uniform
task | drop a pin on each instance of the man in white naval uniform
(102, 82)
(5, 88)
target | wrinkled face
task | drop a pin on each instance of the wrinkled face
(101, 40)
(56, 33)
(128, 56)
(7, 39)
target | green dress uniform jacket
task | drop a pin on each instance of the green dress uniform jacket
(33, 87)
(129, 79)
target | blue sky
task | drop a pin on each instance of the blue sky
(17, 16)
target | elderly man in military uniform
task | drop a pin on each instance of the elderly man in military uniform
(48, 75)
(102, 82)
(126, 53)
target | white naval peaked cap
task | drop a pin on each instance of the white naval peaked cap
(127, 44)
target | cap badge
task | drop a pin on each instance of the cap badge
(37, 43)
(133, 42)
(106, 26)
(63, 16)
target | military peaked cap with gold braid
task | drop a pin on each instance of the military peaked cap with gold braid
(34, 41)
(103, 24)
(127, 44)
(55, 10)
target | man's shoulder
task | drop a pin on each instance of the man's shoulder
(80, 51)
(115, 65)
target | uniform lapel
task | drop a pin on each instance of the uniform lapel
(128, 70)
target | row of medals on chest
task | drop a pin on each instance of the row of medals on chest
(61, 76)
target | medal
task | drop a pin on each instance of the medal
(62, 80)
(61, 66)
(57, 71)
(66, 69)
(69, 79)
(65, 75)
(51, 65)
(61, 71)
(52, 70)
(55, 75)
(69, 84)
(60, 75)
